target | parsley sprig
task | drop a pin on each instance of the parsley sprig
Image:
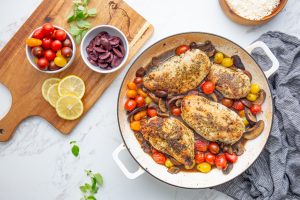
(90, 189)
(78, 23)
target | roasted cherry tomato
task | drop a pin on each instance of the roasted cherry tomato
(159, 158)
(221, 161)
(141, 92)
(56, 45)
(210, 158)
(199, 157)
(66, 52)
(204, 167)
(227, 62)
(60, 35)
(42, 63)
(33, 42)
(48, 29)
(140, 101)
(131, 86)
(37, 52)
(169, 163)
(208, 87)
(254, 88)
(138, 80)
(218, 57)
(255, 109)
(231, 157)
(49, 55)
(130, 104)
(251, 97)
(176, 111)
(67, 43)
(214, 148)
(238, 105)
(138, 116)
(201, 145)
(227, 102)
(181, 49)
(152, 112)
(38, 34)
(135, 125)
(46, 43)
(131, 94)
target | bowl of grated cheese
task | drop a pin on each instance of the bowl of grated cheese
(252, 12)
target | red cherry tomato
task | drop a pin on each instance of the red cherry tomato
(39, 34)
(60, 35)
(46, 43)
(214, 148)
(199, 157)
(153, 150)
(49, 55)
(208, 87)
(231, 157)
(181, 49)
(201, 145)
(138, 80)
(56, 45)
(140, 101)
(159, 158)
(255, 109)
(42, 63)
(210, 158)
(238, 105)
(176, 111)
(221, 161)
(48, 29)
(227, 102)
(151, 112)
(130, 104)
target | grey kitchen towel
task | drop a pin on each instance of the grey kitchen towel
(276, 172)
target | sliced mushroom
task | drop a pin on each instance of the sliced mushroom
(139, 136)
(247, 103)
(174, 170)
(146, 146)
(250, 117)
(161, 93)
(162, 105)
(261, 98)
(161, 114)
(228, 149)
(178, 103)
(238, 148)
(207, 47)
(213, 97)
(237, 62)
(174, 161)
(172, 100)
(135, 111)
(152, 96)
(255, 131)
(140, 72)
(228, 168)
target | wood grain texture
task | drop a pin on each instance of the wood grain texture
(24, 82)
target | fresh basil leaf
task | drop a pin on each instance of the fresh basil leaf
(94, 186)
(92, 12)
(81, 15)
(90, 198)
(78, 38)
(83, 189)
(72, 18)
(83, 24)
(83, 33)
(81, 8)
(74, 30)
(75, 148)
(98, 178)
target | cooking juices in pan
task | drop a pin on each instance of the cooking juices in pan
(145, 104)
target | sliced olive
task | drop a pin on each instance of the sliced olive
(247, 103)
(237, 62)
(261, 98)
(162, 105)
(173, 99)
(255, 131)
(250, 117)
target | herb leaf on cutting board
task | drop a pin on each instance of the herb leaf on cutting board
(78, 23)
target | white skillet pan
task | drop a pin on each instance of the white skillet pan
(196, 179)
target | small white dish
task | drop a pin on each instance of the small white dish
(30, 57)
(91, 34)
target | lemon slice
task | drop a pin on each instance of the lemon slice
(47, 84)
(52, 95)
(69, 107)
(71, 85)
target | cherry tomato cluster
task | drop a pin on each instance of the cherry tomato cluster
(51, 47)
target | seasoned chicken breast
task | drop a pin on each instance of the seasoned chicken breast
(212, 120)
(231, 83)
(170, 136)
(179, 74)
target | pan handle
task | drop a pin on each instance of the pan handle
(121, 165)
(275, 63)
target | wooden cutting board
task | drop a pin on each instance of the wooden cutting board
(24, 82)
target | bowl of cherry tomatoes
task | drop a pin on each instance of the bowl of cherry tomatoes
(50, 49)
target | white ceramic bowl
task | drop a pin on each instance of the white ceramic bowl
(30, 57)
(91, 34)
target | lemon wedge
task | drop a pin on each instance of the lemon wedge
(47, 84)
(52, 95)
(71, 86)
(69, 107)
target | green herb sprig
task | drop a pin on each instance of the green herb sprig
(75, 148)
(90, 189)
(78, 23)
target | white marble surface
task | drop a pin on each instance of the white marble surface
(37, 164)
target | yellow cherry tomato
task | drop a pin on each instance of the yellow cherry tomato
(148, 100)
(254, 88)
(33, 42)
(251, 97)
(138, 116)
(141, 92)
(60, 61)
(135, 125)
(131, 94)
(204, 167)
(227, 62)
(218, 58)
(131, 86)
(58, 53)
(242, 113)
(245, 121)
(169, 163)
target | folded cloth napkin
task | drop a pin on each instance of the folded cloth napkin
(276, 172)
